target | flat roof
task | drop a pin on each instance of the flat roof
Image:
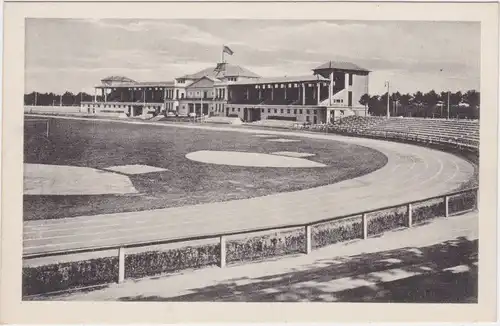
(277, 80)
(139, 84)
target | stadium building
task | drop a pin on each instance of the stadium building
(331, 91)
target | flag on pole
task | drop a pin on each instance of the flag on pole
(227, 50)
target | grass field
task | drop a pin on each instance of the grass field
(103, 144)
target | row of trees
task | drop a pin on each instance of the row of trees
(430, 104)
(66, 99)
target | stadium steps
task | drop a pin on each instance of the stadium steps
(459, 132)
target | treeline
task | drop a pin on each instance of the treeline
(429, 105)
(66, 99)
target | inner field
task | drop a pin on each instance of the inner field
(101, 145)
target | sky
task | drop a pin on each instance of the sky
(75, 54)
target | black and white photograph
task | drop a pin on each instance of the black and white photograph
(251, 160)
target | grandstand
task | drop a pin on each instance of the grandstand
(458, 132)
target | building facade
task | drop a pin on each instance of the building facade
(333, 90)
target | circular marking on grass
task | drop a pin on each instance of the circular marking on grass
(283, 140)
(42, 179)
(293, 154)
(251, 159)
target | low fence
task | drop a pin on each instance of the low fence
(294, 239)
(52, 109)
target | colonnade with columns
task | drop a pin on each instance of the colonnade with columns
(284, 93)
(142, 94)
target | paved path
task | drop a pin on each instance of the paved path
(412, 173)
(436, 262)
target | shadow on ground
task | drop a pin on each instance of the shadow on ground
(441, 273)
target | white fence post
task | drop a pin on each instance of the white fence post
(308, 239)
(410, 216)
(446, 206)
(121, 265)
(477, 199)
(364, 225)
(222, 251)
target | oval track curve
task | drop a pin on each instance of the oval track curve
(412, 173)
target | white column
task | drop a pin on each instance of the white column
(286, 85)
(318, 86)
(95, 95)
(272, 92)
(347, 88)
(303, 94)
(330, 89)
(105, 94)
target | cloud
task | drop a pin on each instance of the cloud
(411, 52)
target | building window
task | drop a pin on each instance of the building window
(295, 111)
(350, 79)
(288, 111)
(281, 110)
(300, 111)
(307, 118)
(275, 111)
(268, 110)
(307, 111)
(238, 109)
(233, 109)
(262, 110)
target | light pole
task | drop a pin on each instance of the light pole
(448, 105)
(388, 99)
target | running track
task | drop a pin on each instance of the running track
(412, 173)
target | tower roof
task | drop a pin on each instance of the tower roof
(117, 79)
(222, 70)
(341, 65)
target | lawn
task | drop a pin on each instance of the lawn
(99, 144)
